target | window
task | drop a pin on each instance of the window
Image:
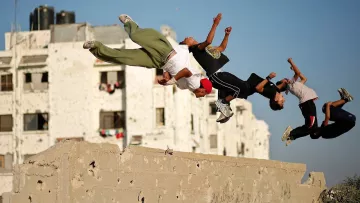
(36, 121)
(159, 72)
(213, 141)
(192, 123)
(36, 81)
(213, 109)
(158, 75)
(240, 109)
(241, 150)
(2, 161)
(6, 123)
(6, 83)
(160, 116)
(240, 117)
(136, 140)
(45, 77)
(27, 77)
(112, 119)
(113, 77)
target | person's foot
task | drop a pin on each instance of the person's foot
(89, 44)
(224, 108)
(344, 94)
(286, 133)
(223, 119)
(124, 18)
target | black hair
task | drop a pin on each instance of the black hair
(282, 89)
(274, 105)
(182, 43)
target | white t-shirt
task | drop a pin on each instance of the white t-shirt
(301, 91)
(180, 61)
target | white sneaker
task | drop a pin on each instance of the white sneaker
(345, 94)
(223, 119)
(89, 44)
(224, 108)
(124, 18)
(286, 133)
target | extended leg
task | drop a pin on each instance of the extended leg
(308, 110)
(151, 40)
(229, 87)
(336, 129)
(131, 57)
(343, 121)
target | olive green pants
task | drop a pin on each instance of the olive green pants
(154, 51)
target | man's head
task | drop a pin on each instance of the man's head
(204, 89)
(189, 41)
(277, 103)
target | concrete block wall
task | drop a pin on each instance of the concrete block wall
(83, 172)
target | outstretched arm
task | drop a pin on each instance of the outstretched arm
(260, 87)
(181, 74)
(211, 34)
(297, 72)
(327, 114)
(223, 44)
(283, 84)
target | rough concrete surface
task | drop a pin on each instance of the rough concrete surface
(84, 172)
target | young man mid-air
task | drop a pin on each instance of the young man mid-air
(212, 59)
(307, 98)
(155, 52)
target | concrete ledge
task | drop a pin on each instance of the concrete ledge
(86, 172)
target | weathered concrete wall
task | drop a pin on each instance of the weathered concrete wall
(86, 172)
(6, 181)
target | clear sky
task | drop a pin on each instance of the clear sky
(323, 38)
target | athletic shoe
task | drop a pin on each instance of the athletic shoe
(224, 108)
(223, 118)
(345, 94)
(124, 18)
(89, 44)
(286, 133)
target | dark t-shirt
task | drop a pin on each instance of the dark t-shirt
(210, 59)
(270, 88)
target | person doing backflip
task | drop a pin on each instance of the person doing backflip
(212, 59)
(344, 121)
(155, 52)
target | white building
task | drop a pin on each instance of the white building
(50, 90)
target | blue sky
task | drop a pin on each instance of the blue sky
(321, 36)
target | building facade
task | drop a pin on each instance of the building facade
(53, 89)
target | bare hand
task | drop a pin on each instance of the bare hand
(163, 81)
(285, 80)
(228, 30)
(217, 19)
(325, 123)
(272, 75)
(166, 75)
